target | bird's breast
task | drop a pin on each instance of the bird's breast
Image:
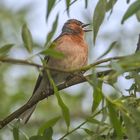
(75, 52)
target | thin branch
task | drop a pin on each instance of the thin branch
(73, 81)
(19, 62)
(85, 68)
(41, 96)
(27, 63)
(80, 125)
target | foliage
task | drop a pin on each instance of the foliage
(109, 116)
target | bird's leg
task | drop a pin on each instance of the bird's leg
(72, 76)
(79, 74)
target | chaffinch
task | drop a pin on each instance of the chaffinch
(72, 44)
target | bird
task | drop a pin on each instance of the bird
(72, 44)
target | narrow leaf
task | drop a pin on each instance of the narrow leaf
(138, 15)
(68, 5)
(131, 129)
(133, 8)
(114, 120)
(27, 38)
(98, 17)
(97, 88)
(94, 121)
(72, 2)
(117, 67)
(5, 49)
(16, 133)
(52, 32)
(89, 132)
(110, 4)
(50, 5)
(64, 108)
(109, 7)
(37, 138)
(130, 61)
(54, 53)
(48, 133)
(48, 124)
(112, 45)
(97, 96)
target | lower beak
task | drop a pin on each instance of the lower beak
(84, 29)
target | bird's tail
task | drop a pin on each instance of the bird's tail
(27, 114)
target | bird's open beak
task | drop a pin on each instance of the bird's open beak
(84, 29)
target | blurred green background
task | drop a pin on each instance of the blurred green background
(17, 82)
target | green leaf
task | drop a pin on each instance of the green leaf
(64, 108)
(48, 133)
(94, 121)
(52, 52)
(112, 45)
(68, 2)
(130, 62)
(109, 7)
(50, 5)
(5, 49)
(136, 78)
(27, 38)
(130, 127)
(37, 138)
(97, 88)
(132, 9)
(110, 4)
(98, 17)
(89, 132)
(117, 67)
(16, 133)
(114, 120)
(51, 33)
(48, 124)
(97, 96)
(138, 15)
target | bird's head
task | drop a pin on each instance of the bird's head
(75, 27)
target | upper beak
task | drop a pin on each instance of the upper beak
(84, 29)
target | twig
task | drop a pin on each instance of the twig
(41, 96)
(73, 81)
(85, 68)
(27, 63)
(79, 126)
(19, 62)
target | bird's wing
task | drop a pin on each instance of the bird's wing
(43, 76)
(46, 58)
(37, 83)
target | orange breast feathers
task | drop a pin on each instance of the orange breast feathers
(75, 52)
